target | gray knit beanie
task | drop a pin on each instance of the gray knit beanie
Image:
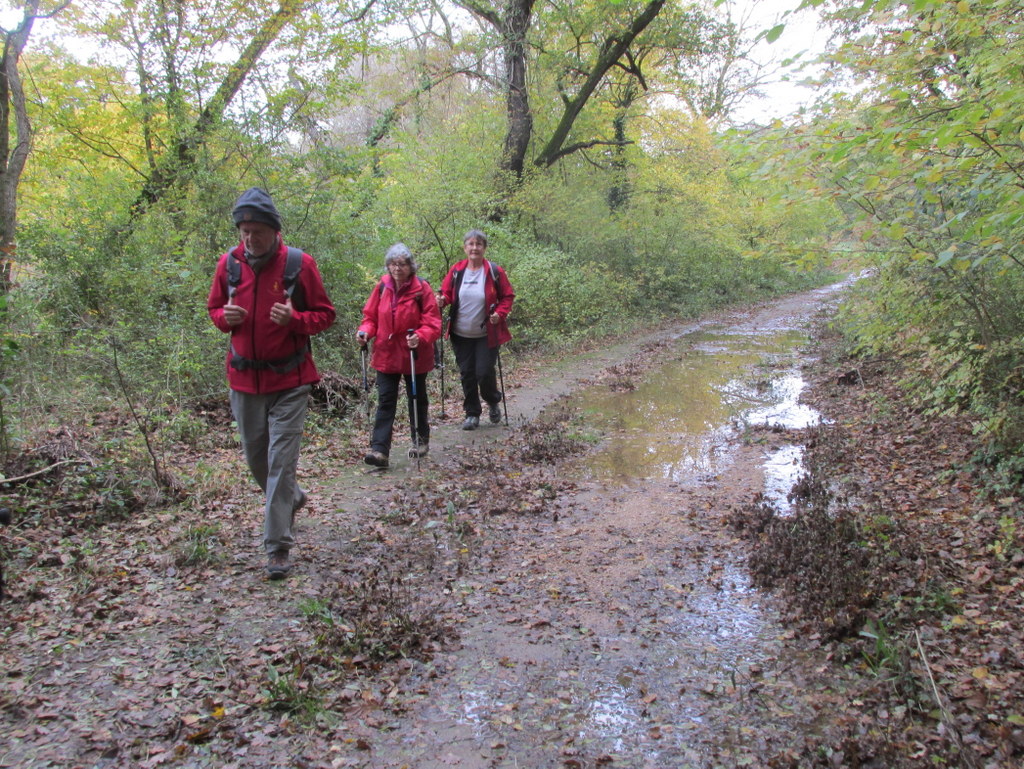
(255, 205)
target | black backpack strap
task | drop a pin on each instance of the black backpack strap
(292, 268)
(494, 277)
(234, 272)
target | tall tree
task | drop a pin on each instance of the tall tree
(608, 54)
(14, 150)
(181, 156)
(198, 63)
(512, 22)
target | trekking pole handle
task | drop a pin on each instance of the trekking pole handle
(412, 365)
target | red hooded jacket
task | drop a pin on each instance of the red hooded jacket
(497, 295)
(387, 318)
(258, 338)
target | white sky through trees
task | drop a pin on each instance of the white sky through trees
(801, 41)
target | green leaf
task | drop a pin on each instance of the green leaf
(945, 256)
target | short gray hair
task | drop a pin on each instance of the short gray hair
(400, 252)
(478, 234)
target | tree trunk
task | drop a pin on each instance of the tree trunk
(181, 157)
(512, 26)
(12, 160)
(520, 120)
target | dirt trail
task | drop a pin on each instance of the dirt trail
(590, 629)
(617, 629)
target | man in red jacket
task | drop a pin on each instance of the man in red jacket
(270, 314)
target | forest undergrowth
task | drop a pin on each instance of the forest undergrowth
(908, 570)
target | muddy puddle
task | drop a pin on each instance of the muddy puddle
(679, 422)
(625, 632)
(679, 429)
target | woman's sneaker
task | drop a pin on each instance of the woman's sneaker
(418, 450)
(494, 413)
(376, 458)
(471, 423)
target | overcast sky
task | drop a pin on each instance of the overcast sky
(800, 36)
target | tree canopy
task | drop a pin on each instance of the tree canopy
(591, 135)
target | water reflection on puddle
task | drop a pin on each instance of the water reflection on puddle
(612, 714)
(676, 423)
(787, 412)
(781, 470)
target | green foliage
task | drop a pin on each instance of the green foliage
(560, 298)
(926, 154)
(201, 545)
(404, 149)
(292, 691)
(9, 349)
(963, 332)
(882, 654)
(437, 186)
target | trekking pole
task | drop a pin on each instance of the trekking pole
(501, 379)
(501, 376)
(439, 363)
(415, 402)
(366, 381)
(439, 360)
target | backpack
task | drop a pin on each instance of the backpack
(494, 277)
(419, 296)
(292, 268)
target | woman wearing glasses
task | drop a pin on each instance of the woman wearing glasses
(402, 317)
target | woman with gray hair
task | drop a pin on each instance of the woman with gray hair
(480, 297)
(401, 315)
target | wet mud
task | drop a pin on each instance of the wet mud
(612, 625)
(622, 630)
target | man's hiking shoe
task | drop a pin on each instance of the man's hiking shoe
(278, 565)
(418, 450)
(471, 423)
(494, 413)
(376, 458)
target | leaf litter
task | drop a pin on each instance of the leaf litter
(496, 610)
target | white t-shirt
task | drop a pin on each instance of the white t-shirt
(470, 319)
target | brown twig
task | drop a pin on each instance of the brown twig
(25, 477)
